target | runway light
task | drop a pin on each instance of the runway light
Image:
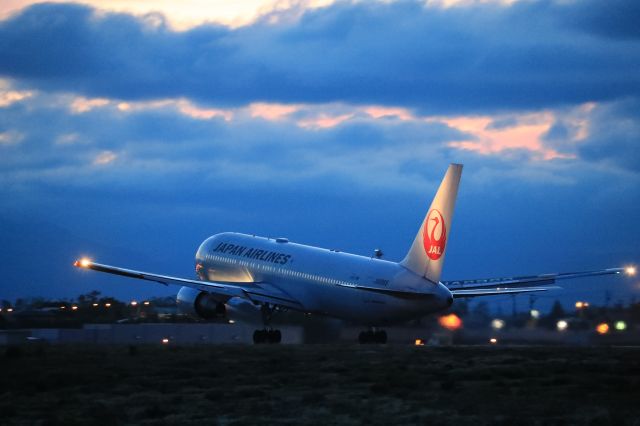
(450, 322)
(134, 303)
(535, 314)
(9, 309)
(493, 341)
(146, 303)
(95, 305)
(107, 305)
(63, 307)
(74, 308)
(165, 341)
(232, 322)
(497, 324)
(562, 325)
(602, 328)
(418, 342)
(630, 270)
(581, 305)
(621, 325)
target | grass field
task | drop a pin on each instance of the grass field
(317, 384)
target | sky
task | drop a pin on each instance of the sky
(131, 131)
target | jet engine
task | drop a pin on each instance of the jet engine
(200, 304)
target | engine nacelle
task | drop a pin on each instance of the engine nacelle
(200, 304)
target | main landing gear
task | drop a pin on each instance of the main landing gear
(267, 335)
(373, 336)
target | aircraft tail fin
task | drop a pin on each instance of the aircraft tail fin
(426, 255)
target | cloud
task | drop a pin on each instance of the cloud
(612, 137)
(188, 13)
(68, 139)
(105, 157)
(364, 183)
(163, 140)
(9, 96)
(271, 111)
(389, 112)
(116, 125)
(282, 145)
(10, 137)
(511, 133)
(82, 104)
(324, 121)
(438, 61)
(613, 19)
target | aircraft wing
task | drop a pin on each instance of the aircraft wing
(253, 291)
(514, 285)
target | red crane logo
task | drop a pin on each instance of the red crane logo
(434, 235)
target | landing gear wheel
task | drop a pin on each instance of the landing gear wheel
(370, 336)
(259, 336)
(267, 336)
(364, 337)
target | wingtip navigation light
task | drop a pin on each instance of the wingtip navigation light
(82, 263)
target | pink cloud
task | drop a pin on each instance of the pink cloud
(324, 121)
(193, 111)
(382, 112)
(11, 96)
(187, 14)
(527, 135)
(10, 137)
(105, 157)
(81, 105)
(272, 112)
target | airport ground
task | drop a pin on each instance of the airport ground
(319, 384)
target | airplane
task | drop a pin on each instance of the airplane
(237, 272)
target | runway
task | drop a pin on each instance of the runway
(319, 384)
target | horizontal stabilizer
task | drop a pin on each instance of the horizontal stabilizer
(498, 291)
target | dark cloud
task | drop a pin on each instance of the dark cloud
(478, 58)
(614, 131)
(161, 149)
(614, 19)
(360, 185)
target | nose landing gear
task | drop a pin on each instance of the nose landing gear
(373, 336)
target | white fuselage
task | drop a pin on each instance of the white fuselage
(322, 280)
